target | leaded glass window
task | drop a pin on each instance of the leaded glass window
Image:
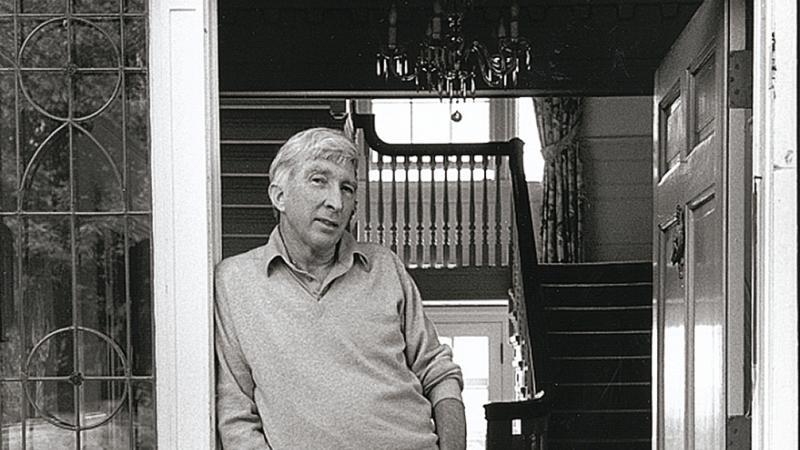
(76, 325)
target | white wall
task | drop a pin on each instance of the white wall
(616, 134)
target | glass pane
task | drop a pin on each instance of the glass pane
(135, 43)
(106, 129)
(41, 434)
(46, 277)
(98, 182)
(140, 295)
(10, 339)
(112, 435)
(53, 402)
(95, 43)
(93, 92)
(673, 121)
(99, 356)
(472, 354)
(705, 99)
(101, 282)
(48, 91)
(52, 356)
(430, 121)
(135, 6)
(11, 401)
(46, 183)
(8, 144)
(144, 415)
(70, 137)
(102, 401)
(43, 6)
(474, 123)
(393, 120)
(95, 6)
(528, 131)
(7, 48)
(137, 143)
(34, 130)
(47, 44)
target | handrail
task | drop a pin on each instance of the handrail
(531, 283)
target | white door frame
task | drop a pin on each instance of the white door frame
(775, 161)
(186, 219)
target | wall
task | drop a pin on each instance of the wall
(616, 134)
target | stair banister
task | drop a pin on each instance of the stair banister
(531, 285)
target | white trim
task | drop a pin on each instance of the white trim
(774, 137)
(183, 99)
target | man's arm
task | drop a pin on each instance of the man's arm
(451, 424)
(238, 422)
(433, 365)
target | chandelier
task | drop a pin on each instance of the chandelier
(445, 63)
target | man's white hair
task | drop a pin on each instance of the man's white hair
(308, 145)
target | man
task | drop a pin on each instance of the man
(321, 341)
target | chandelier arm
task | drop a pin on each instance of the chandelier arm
(487, 67)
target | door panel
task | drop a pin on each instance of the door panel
(673, 376)
(704, 270)
(689, 205)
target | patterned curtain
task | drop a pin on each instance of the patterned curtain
(563, 194)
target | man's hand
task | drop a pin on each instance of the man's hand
(451, 425)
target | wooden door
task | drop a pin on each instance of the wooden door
(689, 237)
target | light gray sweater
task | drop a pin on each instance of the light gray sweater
(358, 366)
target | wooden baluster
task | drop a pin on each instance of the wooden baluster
(446, 217)
(459, 216)
(434, 258)
(406, 214)
(472, 210)
(381, 227)
(393, 227)
(513, 248)
(485, 215)
(367, 202)
(498, 213)
(420, 214)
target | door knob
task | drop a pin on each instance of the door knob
(679, 242)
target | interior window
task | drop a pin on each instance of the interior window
(420, 121)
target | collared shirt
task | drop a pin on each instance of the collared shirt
(356, 365)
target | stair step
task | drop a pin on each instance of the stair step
(272, 124)
(603, 396)
(602, 370)
(600, 425)
(599, 444)
(631, 294)
(606, 272)
(604, 319)
(615, 344)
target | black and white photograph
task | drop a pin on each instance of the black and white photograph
(398, 225)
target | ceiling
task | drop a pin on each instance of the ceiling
(315, 47)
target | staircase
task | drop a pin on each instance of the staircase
(599, 338)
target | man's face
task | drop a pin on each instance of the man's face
(316, 203)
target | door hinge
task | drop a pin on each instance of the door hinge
(740, 79)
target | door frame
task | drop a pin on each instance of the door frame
(184, 114)
(775, 407)
(185, 154)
